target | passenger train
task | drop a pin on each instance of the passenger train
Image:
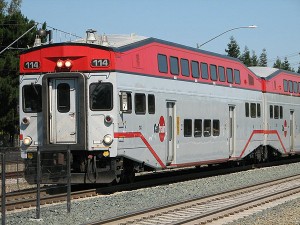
(126, 103)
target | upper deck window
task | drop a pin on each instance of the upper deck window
(285, 85)
(101, 96)
(295, 87)
(204, 71)
(32, 98)
(195, 69)
(162, 63)
(222, 77)
(237, 77)
(185, 69)
(229, 75)
(213, 72)
(174, 65)
(250, 80)
(291, 86)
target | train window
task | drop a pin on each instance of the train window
(216, 127)
(185, 69)
(140, 103)
(222, 77)
(285, 85)
(204, 71)
(63, 98)
(198, 128)
(280, 112)
(247, 109)
(253, 110)
(174, 65)
(32, 98)
(187, 123)
(276, 111)
(126, 102)
(237, 77)
(162, 63)
(207, 128)
(271, 111)
(195, 69)
(151, 104)
(250, 80)
(258, 110)
(213, 72)
(299, 87)
(229, 75)
(295, 87)
(291, 86)
(101, 96)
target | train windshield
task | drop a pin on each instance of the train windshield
(32, 98)
(101, 96)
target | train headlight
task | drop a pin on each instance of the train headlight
(27, 141)
(108, 119)
(26, 120)
(68, 63)
(59, 63)
(107, 140)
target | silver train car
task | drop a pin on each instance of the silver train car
(125, 103)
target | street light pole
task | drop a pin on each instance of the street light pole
(251, 26)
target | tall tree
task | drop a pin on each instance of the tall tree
(254, 59)
(13, 25)
(277, 64)
(233, 48)
(263, 59)
(286, 65)
(245, 57)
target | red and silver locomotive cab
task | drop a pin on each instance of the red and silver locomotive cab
(68, 99)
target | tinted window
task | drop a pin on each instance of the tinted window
(187, 127)
(258, 110)
(198, 128)
(237, 77)
(32, 98)
(63, 98)
(291, 86)
(213, 72)
(222, 74)
(271, 111)
(140, 103)
(247, 109)
(174, 65)
(276, 112)
(101, 95)
(280, 112)
(204, 71)
(216, 127)
(185, 69)
(151, 104)
(285, 85)
(162, 63)
(295, 87)
(229, 75)
(207, 128)
(253, 110)
(195, 69)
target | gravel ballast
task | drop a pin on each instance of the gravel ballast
(104, 207)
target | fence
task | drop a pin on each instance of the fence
(40, 169)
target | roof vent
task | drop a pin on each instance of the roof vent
(90, 36)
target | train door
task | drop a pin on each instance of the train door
(171, 143)
(63, 111)
(292, 129)
(231, 135)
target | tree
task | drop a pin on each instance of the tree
(245, 57)
(233, 48)
(254, 59)
(277, 64)
(263, 61)
(298, 68)
(13, 25)
(286, 65)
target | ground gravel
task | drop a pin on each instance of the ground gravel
(104, 207)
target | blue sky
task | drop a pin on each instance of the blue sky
(186, 22)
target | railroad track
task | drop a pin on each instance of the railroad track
(49, 195)
(208, 209)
